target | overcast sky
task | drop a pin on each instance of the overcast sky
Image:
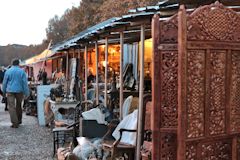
(24, 21)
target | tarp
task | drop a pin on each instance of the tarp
(38, 58)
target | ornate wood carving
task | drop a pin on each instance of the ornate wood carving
(168, 146)
(235, 93)
(191, 152)
(217, 94)
(169, 30)
(220, 150)
(195, 93)
(199, 106)
(169, 89)
(156, 90)
(238, 147)
(214, 22)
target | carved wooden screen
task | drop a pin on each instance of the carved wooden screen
(165, 85)
(196, 93)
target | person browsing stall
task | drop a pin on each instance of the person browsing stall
(15, 86)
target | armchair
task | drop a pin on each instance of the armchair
(118, 148)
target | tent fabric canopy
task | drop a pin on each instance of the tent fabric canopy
(38, 58)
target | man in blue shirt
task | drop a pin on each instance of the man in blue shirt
(15, 86)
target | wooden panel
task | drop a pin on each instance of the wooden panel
(217, 93)
(214, 23)
(191, 151)
(197, 75)
(219, 150)
(168, 146)
(195, 93)
(235, 93)
(210, 62)
(156, 90)
(168, 99)
(237, 147)
(182, 84)
(169, 31)
(165, 91)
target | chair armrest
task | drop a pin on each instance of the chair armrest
(126, 130)
(121, 132)
(74, 124)
(111, 126)
(113, 123)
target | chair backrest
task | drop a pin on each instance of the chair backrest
(126, 105)
(130, 122)
(87, 128)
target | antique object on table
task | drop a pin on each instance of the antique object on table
(57, 93)
(30, 103)
(128, 78)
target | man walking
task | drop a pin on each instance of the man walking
(15, 86)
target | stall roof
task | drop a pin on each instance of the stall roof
(165, 7)
(197, 3)
(72, 41)
(94, 30)
(103, 27)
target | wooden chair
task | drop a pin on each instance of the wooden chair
(117, 148)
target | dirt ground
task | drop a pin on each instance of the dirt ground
(28, 142)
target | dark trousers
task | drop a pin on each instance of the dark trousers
(15, 107)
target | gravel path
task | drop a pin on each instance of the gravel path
(28, 142)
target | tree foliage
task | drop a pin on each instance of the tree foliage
(89, 13)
